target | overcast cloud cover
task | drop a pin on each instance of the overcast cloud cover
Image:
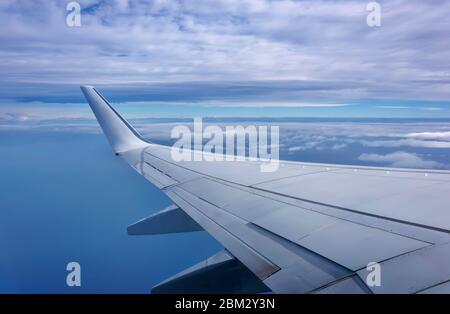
(258, 50)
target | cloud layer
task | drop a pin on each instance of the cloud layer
(401, 159)
(417, 145)
(321, 49)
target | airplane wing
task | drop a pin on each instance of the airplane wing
(306, 228)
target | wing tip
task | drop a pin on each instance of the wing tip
(84, 87)
(121, 135)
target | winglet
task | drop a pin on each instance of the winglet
(121, 135)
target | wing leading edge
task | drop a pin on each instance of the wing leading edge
(307, 228)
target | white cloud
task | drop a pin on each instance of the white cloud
(431, 108)
(401, 159)
(393, 107)
(339, 146)
(37, 111)
(263, 104)
(405, 142)
(430, 135)
(311, 144)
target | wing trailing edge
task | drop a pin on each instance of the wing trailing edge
(220, 273)
(170, 220)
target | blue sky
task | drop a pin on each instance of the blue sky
(233, 58)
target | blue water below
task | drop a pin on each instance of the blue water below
(65, 197)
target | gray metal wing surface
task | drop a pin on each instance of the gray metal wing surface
(306, 228)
